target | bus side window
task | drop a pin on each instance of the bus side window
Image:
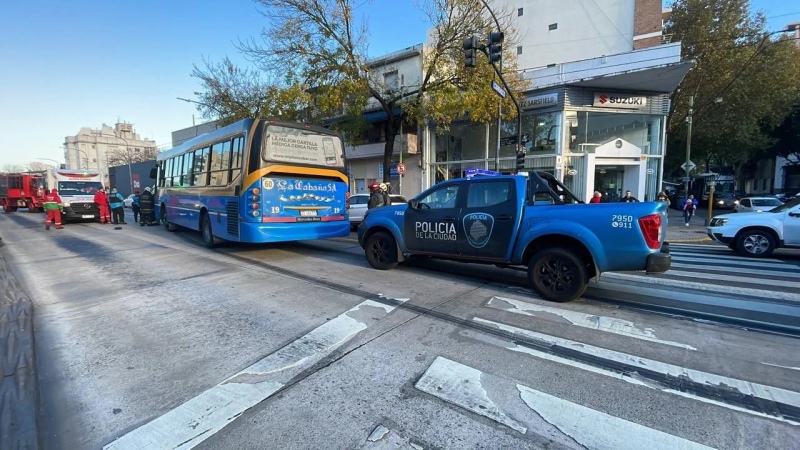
(201, 167)
(168, 173)
(186, 175)
(236, 157)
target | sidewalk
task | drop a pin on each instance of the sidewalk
(677, 231)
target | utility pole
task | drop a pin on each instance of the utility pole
(688, 145)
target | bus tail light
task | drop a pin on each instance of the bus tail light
(255, 213)
(254, 206)
(254, 198)
(256, 191)
(651, 230)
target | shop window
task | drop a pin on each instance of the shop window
(519, 12)
(519, 49)
(552, 26)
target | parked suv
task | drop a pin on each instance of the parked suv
(358, 206)
(759, 234)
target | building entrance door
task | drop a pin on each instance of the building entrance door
(608, 181)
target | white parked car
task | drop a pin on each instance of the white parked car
(759, 234)
(358, 206)
(757, 204)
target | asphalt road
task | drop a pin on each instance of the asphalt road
(144, 339)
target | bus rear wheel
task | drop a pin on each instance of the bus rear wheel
(169, 226)
(208, 236)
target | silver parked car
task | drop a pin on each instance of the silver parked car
(358, 206)
(757, 204)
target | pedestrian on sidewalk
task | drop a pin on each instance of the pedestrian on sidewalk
(596, 197)
(115, 201)
(52, 207)
(628, 198)
(101, 200)
(135, 206)
(689, 207)
(662, 197)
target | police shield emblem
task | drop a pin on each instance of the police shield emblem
(478, 228)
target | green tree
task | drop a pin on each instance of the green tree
(315, 53)
(745, 79)
(787, 137)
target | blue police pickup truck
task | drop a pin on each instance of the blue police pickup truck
(528, 222)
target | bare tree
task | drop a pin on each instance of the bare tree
(11, 168)
(124, 155)
(317, 56)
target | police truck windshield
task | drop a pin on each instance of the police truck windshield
(78, 187)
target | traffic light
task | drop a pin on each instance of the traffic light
(494, 45)
(520, 159)
(470, 51)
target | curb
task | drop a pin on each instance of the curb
(18, 390)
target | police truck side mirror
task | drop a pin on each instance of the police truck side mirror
(154, 172)
(413, 204)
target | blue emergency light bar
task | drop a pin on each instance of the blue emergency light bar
(486, 173)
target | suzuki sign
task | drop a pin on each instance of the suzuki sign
(611, 100)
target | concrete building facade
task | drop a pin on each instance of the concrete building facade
(90, 148)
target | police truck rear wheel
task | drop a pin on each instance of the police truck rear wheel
(557, 275)
(381, 251)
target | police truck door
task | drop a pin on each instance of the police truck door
(432, 227)
(489, 219)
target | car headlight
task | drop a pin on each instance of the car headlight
(721, 202)
(66, 204)
(718, 222)
(736, 202)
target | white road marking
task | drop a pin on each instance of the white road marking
(736, 279)
(782, 367)
(591, 428)
(762, 391)
(740, 271)
(199, 418)
(601, 323)
(712, 261)
(461, 385)
(716, 288)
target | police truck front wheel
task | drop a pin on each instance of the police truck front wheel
(557, 275)
(381, 251)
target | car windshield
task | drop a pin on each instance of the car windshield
(79, 187)
(767, 202)
(786, 206)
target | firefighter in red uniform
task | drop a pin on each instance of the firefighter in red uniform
(53, 208)
(101, 200)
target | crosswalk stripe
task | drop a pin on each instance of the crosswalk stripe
(735, 262)
(201, 417)
(601, 323)
(745, 388)
(735, 279)
(591, 428)
(711, 287)
(738, 270)
(462, 386)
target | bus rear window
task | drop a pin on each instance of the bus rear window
(301, 146)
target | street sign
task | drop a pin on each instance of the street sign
(401, 168)
(498, 89)
(508, 140)
(690, 166)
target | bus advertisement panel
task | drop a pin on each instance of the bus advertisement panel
(256, 181)
(76, 189)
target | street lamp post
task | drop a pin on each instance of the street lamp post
(128, 157)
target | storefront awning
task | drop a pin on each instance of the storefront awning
(658, 69)
(662, 79)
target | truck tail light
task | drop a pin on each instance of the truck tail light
(651, 230)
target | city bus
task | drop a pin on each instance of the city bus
(256, 181)
(76, 189)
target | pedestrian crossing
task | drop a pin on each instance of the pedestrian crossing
(464, 382)
(715, 268)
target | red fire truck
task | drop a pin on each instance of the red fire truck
(22, 190)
